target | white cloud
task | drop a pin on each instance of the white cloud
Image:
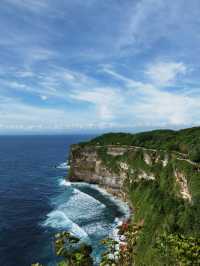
(128, 82)
(15, 84)
(163, 73)
(158, 107)
(68, 76)
(157, 28)
(16, 115)
(54, 82)
(107, 101)
(25, 74)
(44, 97)
(93, 104)
(152, 106)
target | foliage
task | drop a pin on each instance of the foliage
(185, 141)
(171, 230)
(163, 212)
(122, 252)
(180, 249)
(73, 251)
(159, 201)
(111, 256)
(195, 154)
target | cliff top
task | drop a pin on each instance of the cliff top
(186, 141)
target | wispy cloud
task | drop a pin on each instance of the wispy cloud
(129, 82)
(160, 107)
(152, 105)
(19, 116)
(164, 73)
(60, 69)
(107, 101)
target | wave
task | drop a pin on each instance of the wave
(81, 206)
(64, 165)
(84, 216)
(58, 219)
(114, 234)
(80, 197)
(74, 209)
(123, 206)
(63, 182)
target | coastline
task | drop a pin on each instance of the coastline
(116, 199)
(116, 195)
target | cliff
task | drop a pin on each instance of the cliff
(163, 185)
(113, 166)
(87, 165)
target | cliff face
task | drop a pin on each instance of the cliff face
(114, 166)
(162, 186)
(87, 165)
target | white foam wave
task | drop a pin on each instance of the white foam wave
(64, 165)
(82, 206)
(123, 206)
(115, 230)
(59, 220)
(72, 213)
(63, 182)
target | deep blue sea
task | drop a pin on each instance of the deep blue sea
(36, 201)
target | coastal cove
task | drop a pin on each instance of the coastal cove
(157, 172)
(37, 201)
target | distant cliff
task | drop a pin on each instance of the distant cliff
(163, 185)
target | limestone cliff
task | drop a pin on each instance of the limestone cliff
(116, 166)
(159, 172)
(87, 165)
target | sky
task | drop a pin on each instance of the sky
(98, 65)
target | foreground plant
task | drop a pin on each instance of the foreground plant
(122, 252)
(184, 251)
(72, 250)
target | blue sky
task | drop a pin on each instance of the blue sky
(98, 65)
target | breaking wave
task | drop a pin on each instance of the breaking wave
(64, 165)
(73, 211)
(86, 211)
(59, 220)
(122, 206)
(63, 182)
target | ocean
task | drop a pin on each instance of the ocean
(36, 201)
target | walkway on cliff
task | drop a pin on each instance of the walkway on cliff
(184, 156)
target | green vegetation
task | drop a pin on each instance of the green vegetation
(180, 249)
(158, 200)
(72, 250)
(185, 141)
(165, 194)
(123, 253)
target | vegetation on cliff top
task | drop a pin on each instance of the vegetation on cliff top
(171, 231)
(185, 141)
